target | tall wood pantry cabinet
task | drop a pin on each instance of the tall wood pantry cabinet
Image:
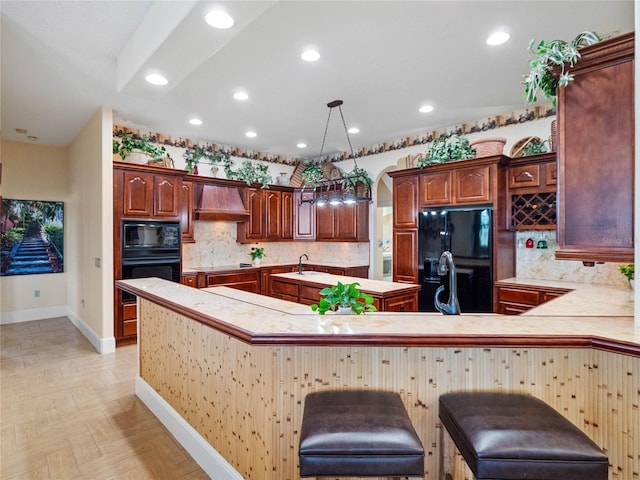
(596, 127)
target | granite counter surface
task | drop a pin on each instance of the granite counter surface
(260, 320)
(581, 298)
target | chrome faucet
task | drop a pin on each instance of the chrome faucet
(452, 307)
(300, 262)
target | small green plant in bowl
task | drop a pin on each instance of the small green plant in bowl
(257, 253)
(344, 296)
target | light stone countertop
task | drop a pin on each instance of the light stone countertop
(260, 320)
(225, 268)
(582, 299)
(366, 285)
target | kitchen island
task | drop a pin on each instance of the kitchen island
(228, 371)
(305, 288)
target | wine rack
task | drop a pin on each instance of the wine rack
(534, 211)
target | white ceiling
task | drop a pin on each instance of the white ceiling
(61, 61)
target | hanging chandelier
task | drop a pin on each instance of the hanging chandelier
(347, 189)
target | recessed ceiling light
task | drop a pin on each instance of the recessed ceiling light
(21, 131)
(219, 19)
(310, 55)
(195, 121)
(156, 79)
(240, 96)
(301, 145)
(251, 134)
(497, 38)
(425, 109)
(354, 130)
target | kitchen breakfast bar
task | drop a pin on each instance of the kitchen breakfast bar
(227, 371)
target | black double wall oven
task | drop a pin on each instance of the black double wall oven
(150, 249)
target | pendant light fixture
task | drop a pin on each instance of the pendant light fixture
(348, 189)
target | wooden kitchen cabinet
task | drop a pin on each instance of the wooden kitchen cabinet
(405, 255)
(189, 279)
(343, 223)
(596, 128)
(270, 219)
(405, 201)
(186, 212)
(143, 192)
(265, 276)
(517, 299)
(435, 189)
(247, 280)
(304, 216)
(532, 189)
(139, 192)
(471, 185)
(287, 216)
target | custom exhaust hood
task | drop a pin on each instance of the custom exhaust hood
(219, 202)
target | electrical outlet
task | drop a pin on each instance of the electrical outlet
(36, 293)
(97, 262)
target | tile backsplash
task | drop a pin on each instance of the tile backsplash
(541, 263)
(216, 246)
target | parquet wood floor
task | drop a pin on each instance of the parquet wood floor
(67, 412)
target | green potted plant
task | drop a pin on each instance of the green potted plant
(628, 270)
(257, 254)
(550, 62)
(447, 148)
(193, 156)
(251, 173)
(357, 182)
(344, 298)
(129, 144)
(312, 175)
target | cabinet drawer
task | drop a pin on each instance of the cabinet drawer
(402, 303)
(129, 311)
(516, 295)
(284, 288)
(130, 327)
(551, 173)
(507, 308)
(189, 280)
(524, 176)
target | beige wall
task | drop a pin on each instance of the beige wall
(35, 172)
(90, 286)
(81, 176)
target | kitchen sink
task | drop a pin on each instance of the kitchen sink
(311, 272)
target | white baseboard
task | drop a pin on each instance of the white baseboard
(102, 345)
(202, 452)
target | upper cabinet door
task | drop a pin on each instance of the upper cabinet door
(287, 215)
(166, 196)
(405, 202)
(596, 155)
(138, 194)
(273, 214)
(435, 189)
(304, 216)
(471, 185)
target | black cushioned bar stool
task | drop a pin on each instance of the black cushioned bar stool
(507, 436)
(358, 433)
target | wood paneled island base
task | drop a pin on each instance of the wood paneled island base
(246, 399)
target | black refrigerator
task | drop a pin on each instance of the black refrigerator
(467, 234)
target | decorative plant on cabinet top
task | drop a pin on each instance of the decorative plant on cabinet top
(446, 149)
(550, 55)
(128, 144)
